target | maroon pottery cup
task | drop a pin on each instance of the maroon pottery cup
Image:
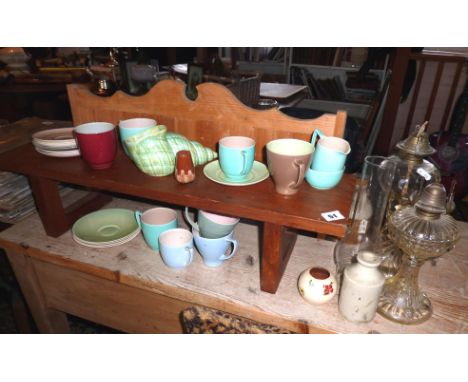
(97, 142)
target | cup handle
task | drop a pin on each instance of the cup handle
(314, 136)
(190, 251)
(244, 163)
(138, 217)
(301, 165)
(224, 257)
(190, 221)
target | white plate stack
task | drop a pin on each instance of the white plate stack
(58, 143)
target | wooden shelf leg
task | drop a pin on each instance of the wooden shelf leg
(278, 243)
(49, 205)
(47, 320)
(55, 218)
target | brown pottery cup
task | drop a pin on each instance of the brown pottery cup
(288, 160)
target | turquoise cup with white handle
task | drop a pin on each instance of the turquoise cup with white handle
(330, 152)
(236, 157)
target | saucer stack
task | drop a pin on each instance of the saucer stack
(106, 228)
(58, 143)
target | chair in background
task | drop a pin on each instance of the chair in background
(244, 85)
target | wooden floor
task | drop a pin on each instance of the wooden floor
(234, 287)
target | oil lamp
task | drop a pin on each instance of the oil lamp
(423, 231)
(413, 173)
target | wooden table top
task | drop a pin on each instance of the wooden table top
(279, 91)
(235, 285)
(18, 133)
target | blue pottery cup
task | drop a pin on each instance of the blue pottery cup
(213, 251)
(236, 157)
(176, 247)
(130, 127)
(330, 152)
(155, 221)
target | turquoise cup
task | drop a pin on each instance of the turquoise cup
(236, 157)
(330, 152)
(323, 180)
(130, 127)
(154, 222)
(176, 247)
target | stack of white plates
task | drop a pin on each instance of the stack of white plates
(56, 143)
(106, 228)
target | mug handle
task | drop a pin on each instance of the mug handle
(244, 163)
(233, 241)
(190, 251)
(301, 165)
(138, 217)
(314, 136)
(190, 221)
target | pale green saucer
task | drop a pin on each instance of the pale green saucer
(258, 173)
(105, 225)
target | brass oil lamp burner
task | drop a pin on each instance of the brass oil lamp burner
(423, 231)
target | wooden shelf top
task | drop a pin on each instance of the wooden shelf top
(257, 202)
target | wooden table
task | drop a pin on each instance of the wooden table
(130, 289)
(287, 95)
(18, 133)
(280, 215)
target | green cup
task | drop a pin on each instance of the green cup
(155, 221)
(212, 226)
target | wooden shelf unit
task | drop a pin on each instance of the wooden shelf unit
(280, 215)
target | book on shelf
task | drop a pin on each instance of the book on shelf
(369, 81)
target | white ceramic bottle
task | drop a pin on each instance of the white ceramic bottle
(361, 287)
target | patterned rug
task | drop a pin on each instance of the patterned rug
(200, 320)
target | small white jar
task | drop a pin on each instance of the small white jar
(316, 285)
(361, 288)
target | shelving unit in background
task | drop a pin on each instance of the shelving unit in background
(328, 90)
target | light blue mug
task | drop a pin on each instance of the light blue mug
(213, 251)
(330, 152)
(236, 157)
(155, 221)
(176, 247)
(130, 127)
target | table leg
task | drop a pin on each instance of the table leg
(278, 243)
(55, 218)
(47, 320)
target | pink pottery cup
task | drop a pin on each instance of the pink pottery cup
(97, 142)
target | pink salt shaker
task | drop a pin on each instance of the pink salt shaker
(185, 170)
